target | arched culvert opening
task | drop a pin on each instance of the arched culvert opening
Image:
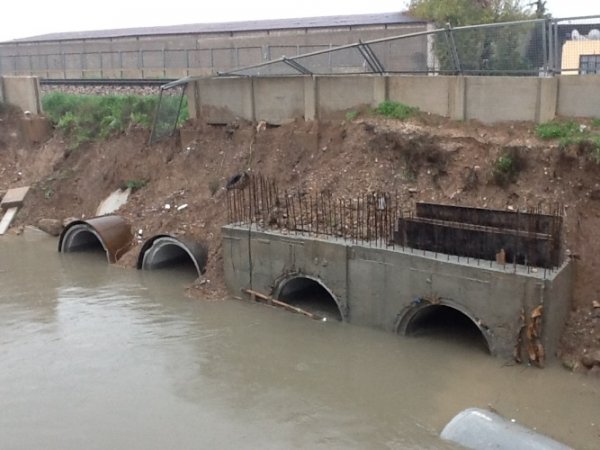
(83, 239)
(168, 252)
(438, 321)
(110, 234)
(311, 296)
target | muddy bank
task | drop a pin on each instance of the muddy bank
(427, 159)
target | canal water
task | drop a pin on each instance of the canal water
(95, 357)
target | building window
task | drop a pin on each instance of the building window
(589, 64)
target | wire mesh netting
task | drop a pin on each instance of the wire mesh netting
(514, 48)
(344, 60)
(412, 54)
(171, 112)
(528, 47)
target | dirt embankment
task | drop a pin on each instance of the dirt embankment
(436, 159)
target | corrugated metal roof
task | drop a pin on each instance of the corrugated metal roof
(227, 27)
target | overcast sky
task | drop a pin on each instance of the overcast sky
(24, 18)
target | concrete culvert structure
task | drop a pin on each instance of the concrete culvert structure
(164, 251)
(310, 295)
(112, 234)
(445, 322)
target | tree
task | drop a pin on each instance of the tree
(472, 12)
(540, 9)
(480, 49)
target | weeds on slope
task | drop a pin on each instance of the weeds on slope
(396, 110)
(586, 138)
(507, 167)
(85, 118)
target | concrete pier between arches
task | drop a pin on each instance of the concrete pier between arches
(514, 307)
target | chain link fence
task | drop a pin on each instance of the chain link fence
(542, 47)
(171, 110)
(538, 47)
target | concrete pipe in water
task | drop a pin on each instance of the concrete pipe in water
(477, 429)
(111, 233)
(167, 251)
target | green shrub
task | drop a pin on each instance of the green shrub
(134, 185)
(507, 166)
(84, 118)
(396, 110)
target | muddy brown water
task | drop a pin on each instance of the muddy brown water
(93, 356)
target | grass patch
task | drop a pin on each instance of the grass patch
(396, 110)
(85, 118)
(351, 115)
(557, 130)
(587, 139)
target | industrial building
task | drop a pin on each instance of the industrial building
(201, 49)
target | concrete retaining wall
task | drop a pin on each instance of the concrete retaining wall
(487, 99)
(23, 92)
(278, 98)
(431, 94)
(498, 99)
(579, 96)
(339, 94)
(221, 100)
(381, 287)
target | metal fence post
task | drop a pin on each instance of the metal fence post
(453, 49)
(551, 62)
(556, 49)
(545, 47)
(187, 62)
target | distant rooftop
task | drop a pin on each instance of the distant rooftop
(227, 27)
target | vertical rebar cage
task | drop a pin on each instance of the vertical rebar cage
(529, 238)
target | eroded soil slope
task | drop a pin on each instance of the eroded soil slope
(426, 158)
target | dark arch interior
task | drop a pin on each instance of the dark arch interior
(85, 241)
(171, 256)
(446, 323)
(311, 296)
